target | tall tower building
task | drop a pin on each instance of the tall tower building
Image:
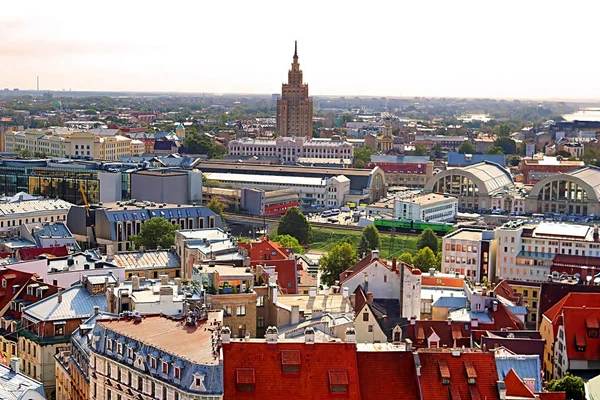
(294, 108)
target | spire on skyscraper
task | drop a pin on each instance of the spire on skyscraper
(295, 49)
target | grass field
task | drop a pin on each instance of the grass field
(324, 239)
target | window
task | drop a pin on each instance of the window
(240, 310)
(244, 379)
(385, 279)
(260, 321)
(165, 368)
(120, 349)
(534, 294)
(525, 293)
(152, 362)
(228, 310)
(59, 329)
(338, 381)
(290, 361)
(260, 301)
(370, 328)
(129, 352)
(366, 317)
(177, 373)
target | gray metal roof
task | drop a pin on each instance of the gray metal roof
(147, 259)
(77, 303)
(15, 386)
(526, 366)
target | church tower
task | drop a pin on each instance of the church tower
(294, 108)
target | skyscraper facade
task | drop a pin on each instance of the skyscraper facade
(294, 108)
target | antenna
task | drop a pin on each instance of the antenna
(38, 83)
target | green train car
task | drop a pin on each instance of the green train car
(386, 224)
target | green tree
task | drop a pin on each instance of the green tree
(438, 150)
(466, 147)
(428, 238)
(425, 259)
(370, 240)
(508, 145)
(295, 224)
(362, 156)
(216, 206)
(502, 130)
(419, 150)
(438, 261)
(289, 242)
(341, 257)
(156, 232)
(196, 143)
(217, 151)
(407, 258)
(571, 384)
(495, 150)
(514, 161)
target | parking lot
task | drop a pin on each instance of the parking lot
(343, 218)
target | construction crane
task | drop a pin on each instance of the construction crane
(88, 217)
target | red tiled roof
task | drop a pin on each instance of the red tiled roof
(34, 253)
(287, 274)
(515, 387)
(482, 364)
(453, 335)
(446, 281)
(552, 293)
(505, 290)
(576, 333)
(22, 279)
(265, 249)
(570, 300)
(552, 395)
(387, 375)
(317, 362)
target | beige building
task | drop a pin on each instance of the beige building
(13, 215)
(116, 147)
(137, 147)
(84, 144)
(35, 141)
(63, 381)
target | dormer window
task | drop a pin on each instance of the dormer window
(471, 373)
(130, 353)
(444, 372)
(338, 381)
(165, 368)
(245, 379)
(290, 361)
(109, 345)
(153, 363)
(580, 342)
(177, 373)
(120, 349)
(4, 283)
(592, 326)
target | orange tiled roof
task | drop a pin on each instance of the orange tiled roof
(515, 387)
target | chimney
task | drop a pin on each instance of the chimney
(96, 310)
(312, 292)
(15, 365)
(495, 305)
(309, 335)
(369, 298)
(165, 294)
(413, 320)
(474, 322)
(345, 292)
(178, 283)
(272, 334)
(375, 254)
(70, 261)
(350, 335)
(135, 283)
(274, 293)
(164, 279)
(295, 317)
(225, 334)
(59, 296)
(449, 320)
(501, 390)
(431, 271)
(394, 265)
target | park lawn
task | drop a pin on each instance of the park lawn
(323, 239)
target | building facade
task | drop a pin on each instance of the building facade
(294, 108)
(428, 207)
(411, 171)
(469, 252)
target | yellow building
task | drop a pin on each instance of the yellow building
(137, 147)
(63, 380)
(35, 141)
(531, 296)
(85, 144)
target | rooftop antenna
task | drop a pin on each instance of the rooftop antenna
(38, 83)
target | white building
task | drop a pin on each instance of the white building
(427, 207)
(289, 149)
(19, 210)
(469, 252)
(313, 192)
(531, 252)
(395, 280)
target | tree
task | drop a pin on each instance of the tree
(419, 150)
(502, 130)
(508, 145)
(370, 240)
(514, 161)
(428, 238)
(156, 232)
(216, 206)
(295, 224)
(341, 257)
(572, 385)
(438, 261)
(466, 147)
(407, 258)
(362, 156)
(196, 143)
(290, 242)
(495, 150)
(425, 259)
(438, 150)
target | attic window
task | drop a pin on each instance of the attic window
(290, 361)
(338, 381)
(444, 372)
(592, 327)
(244, 379)
(579, 342)
(471, 373)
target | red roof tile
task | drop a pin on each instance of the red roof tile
(451, 335)
(446, 281)
(576, 333)
(552, 293)
(319, 366)
(265, 249)
(554, 314)
(387, 375)
(22, 279)
(287, 274)
(515, 387)
(552, 395)
(34, 253)
(483, 365)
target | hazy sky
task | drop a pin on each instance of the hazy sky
(526, 48)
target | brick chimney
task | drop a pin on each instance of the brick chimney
(369, 297)
(394, 265)
(59, 295)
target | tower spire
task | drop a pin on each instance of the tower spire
(295, 49)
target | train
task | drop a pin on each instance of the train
(410, 226)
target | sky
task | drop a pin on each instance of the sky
(508, 49)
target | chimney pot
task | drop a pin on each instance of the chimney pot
(59, 295)
(15, 365)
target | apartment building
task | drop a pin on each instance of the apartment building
(469, 252)
(35, 142)
(156, 357)
(532, 252)
(429, 207)
(25, 209)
